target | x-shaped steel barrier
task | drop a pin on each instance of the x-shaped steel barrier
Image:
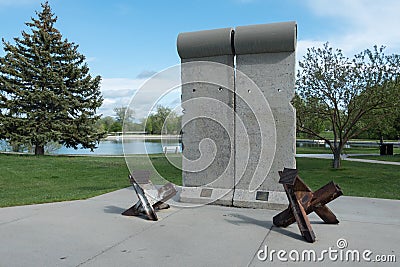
(143, 206)
(303, 201)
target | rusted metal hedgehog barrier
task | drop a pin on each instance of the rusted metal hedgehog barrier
(303, 201)
(143, 206)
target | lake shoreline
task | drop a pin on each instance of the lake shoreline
(141, 137)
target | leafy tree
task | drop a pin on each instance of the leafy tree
(163, 121)
(46, 91)
(104, 124)
(124, 113)
(116, 127)
(110, 124)
(345, 91)
(125, 117)
(306, 116)
(386, 128)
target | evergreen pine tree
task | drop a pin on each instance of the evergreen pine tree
(46, 91)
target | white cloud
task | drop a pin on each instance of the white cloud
(154, 92)
(367, 22)
(90, 59)
(303, 45)
(119, 92)
(145, 74)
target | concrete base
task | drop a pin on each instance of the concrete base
(260, 199)
(205, 195)
(238, 198)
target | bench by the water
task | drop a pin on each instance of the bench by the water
(171, 149)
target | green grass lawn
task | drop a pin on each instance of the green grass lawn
(29, 179)
(325, 134)
(355, 178)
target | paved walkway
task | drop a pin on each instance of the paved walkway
(348, 157)
(93, 233)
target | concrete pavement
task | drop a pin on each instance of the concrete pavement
(93, 233)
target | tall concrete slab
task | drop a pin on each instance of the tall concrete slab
(207, 77)
(265, 54)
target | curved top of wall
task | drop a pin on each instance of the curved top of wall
(266, 38)
(205, 43)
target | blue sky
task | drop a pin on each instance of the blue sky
(125, 41)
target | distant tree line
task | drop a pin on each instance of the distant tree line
(163, 121)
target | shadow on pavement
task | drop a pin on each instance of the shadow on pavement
(242, 219)
(113, 209)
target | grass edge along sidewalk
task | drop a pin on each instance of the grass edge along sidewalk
(27, 179)
(394, 158)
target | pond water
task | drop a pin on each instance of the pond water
(132, 146)
(153, 146)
